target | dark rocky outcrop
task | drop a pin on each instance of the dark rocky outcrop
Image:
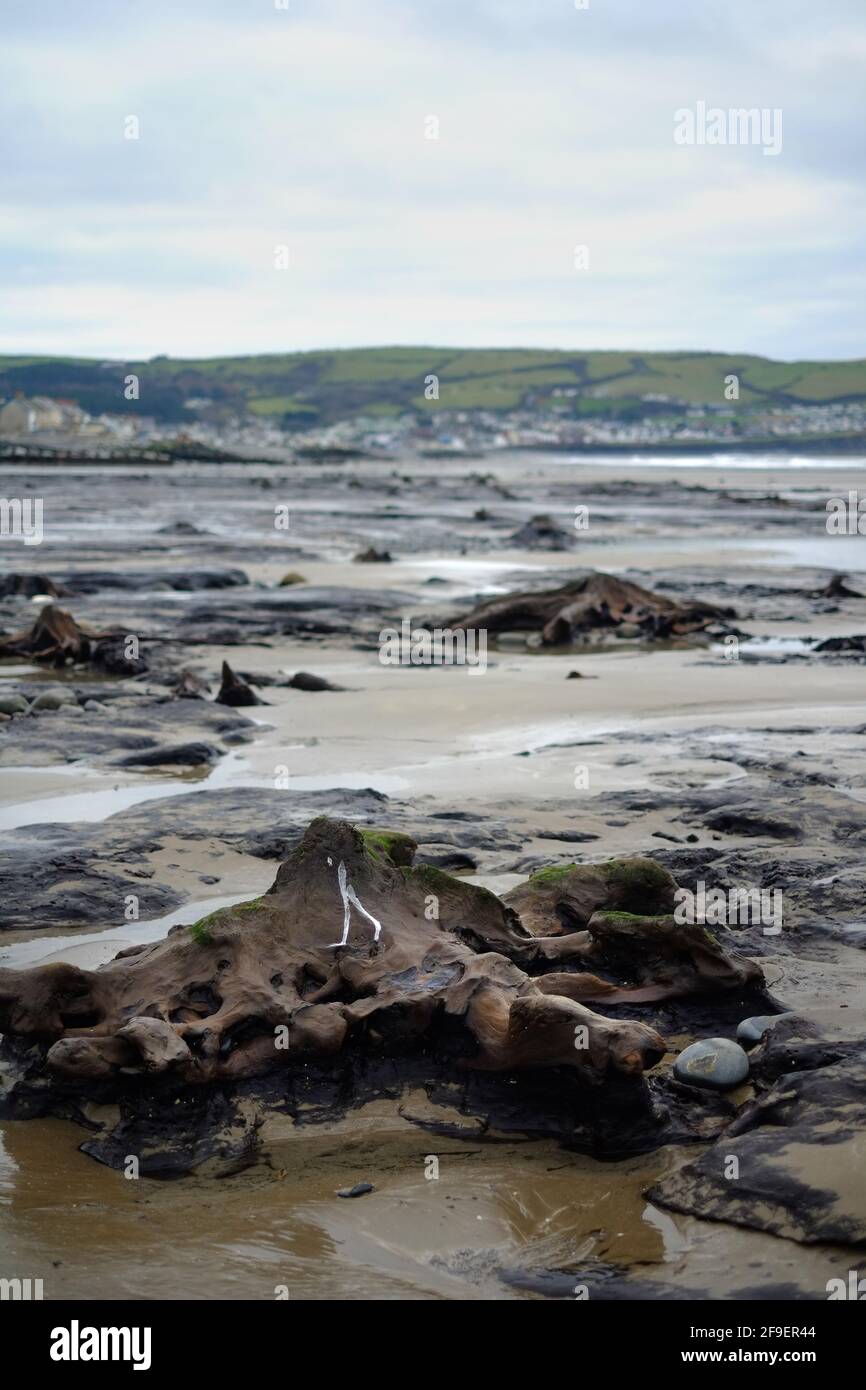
(750, 820)
(134, 580)
(29, 585)
(181, 528)
(58, 640)
(541, 533)
(176, 755)
(301, 610)
(595, 601)
(113, 656)
(305, 680)
(83, 582)
(103, 723)
(797, 1149)
(372, 556)
(235, 691)
(837, 588)
(856, 643)
(85, 870)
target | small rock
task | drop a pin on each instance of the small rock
(180, 528)
(304, 680)
(111, 656)
(570, 837)
(53, 699)
(189, 686)
(195, 754)
(372, 556)
(291, 578)
(751, 1030)
(13, 704)
(541, 533)
(359, 1190)
(855, 643)
(94, 706)
(717, 1063)
(574, 676)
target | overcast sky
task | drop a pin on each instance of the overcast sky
(305, 127)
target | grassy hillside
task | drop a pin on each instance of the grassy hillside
(318, 387)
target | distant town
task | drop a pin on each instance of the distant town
(45, 427)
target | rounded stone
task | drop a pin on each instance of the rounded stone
(53, 699)
(13, 704)
(751, 1030)
(717, 1063)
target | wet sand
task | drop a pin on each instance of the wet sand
(499, 1216)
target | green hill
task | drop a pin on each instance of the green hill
(319, 387)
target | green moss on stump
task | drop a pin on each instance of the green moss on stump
(199, 930)
(636, 874)
(391, 845)
(428, 875)
(552, 875)
(628, 875)
(665, 921)
(625, 919)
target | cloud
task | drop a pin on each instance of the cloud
(306, 127)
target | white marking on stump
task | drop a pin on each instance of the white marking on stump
(350, 899)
